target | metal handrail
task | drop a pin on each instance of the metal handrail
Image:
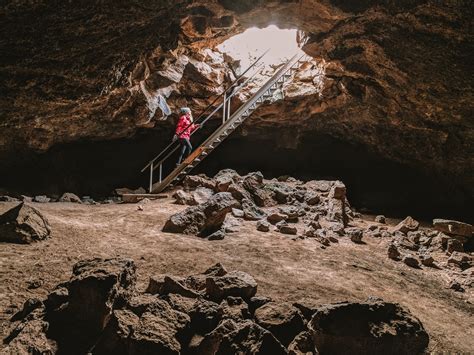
(156, 165)
(232, 85)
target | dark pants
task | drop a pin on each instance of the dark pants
(186, 149)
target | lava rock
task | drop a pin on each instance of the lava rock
(454, 245)
(453, 227)
(302, 344)
(217, 235)
(355, 234)
(367, 328)
(276, 217)
(41, 199)
(191, 182)
(380, 219)
(235, 283)
(205, 218)
(23, 224)
(285, 228)
(427, 260)
(407, 225)
(251, 211)
(283, 320)
(263, 226)
(411, 261)
(460, 260)
(244, 337)
(70, 197)
(183, 198)
(393, 252)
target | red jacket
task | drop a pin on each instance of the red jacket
(181, 130)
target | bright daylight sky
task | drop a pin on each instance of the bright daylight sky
(250, 44)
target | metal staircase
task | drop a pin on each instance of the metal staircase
(229, 122)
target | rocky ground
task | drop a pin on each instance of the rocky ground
(298, 244)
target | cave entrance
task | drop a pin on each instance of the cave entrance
(247, 46)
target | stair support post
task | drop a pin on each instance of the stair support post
(151, 178)
(224, 114)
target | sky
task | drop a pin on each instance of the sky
(254, 41)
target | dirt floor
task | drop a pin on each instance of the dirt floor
(285, 269)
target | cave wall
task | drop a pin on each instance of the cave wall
(396, 85)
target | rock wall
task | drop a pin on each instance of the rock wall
(80, 81)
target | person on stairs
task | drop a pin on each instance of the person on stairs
(183, 132)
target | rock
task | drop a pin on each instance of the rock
(29, 306)
(234, 308)
(393, 252)
(302, 344)
(285, 228)
(238, 213)
(263, 226)
(155, 284)
(115, 337)
(411, 261)
(367, 328)
(191, 182)
(177, 286)
(224, 178)
(251, 211)
(276, 217)
(159, 332)
(231, 224)
(183, 198)
(203, 219)
(454, 245)
(407, 225)
(217, 235)
(291, 213)
(415, 237)
(29, 337)
(257, 302)
(427, 260)
(312, 198)
(380, 219)
(439, 242)
(456, 286)
(336, 227)
(41, 199)
(453, 227)
(96, 285)
(283, 320)
(307, 307)
(355, 234)
(235, 283)
(460, 260)
(338, 191)
(202, 195)
(124, 191)
(23, 224)
(70, 197)
(245, 337)
(8, 199)
(57, 298)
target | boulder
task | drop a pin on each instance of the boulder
(191, 182)
(355, 234)
(184, 198)
(231, 224)
(338, 191)
(285, 228)
(234, 308)
(312, 198)
(411, 261)
(263, 226)
(427, 260)
(453, 227)
(23, 224)
(251, 211)
(407, 225)
(41, 199)
(257, 302)
(235, 283)
(70, 197)
(202, 195)
(302, 345)
(454, 245)
(367, 328)
(217, 235)
(244, 337)
(203, 219)
(393, 252)
(276, 217)
(95, 287)
(283, 320)
(460, 260)
(159, 332)
(380, 219)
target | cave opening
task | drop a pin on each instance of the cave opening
(247, 46)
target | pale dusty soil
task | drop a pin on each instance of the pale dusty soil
(284, 269)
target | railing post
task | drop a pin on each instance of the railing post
(151, 177)
(228, 108)
(224, 108)
(161, 171)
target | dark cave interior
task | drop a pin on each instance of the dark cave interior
(375, 184)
